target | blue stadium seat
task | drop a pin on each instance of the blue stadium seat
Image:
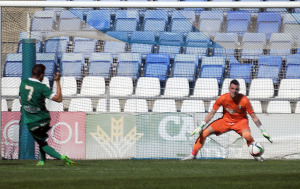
(127, 20)
(50, 61)
(183, 21)
(155, 20)
(33, 35)
(210, 22)
(197, 43)
(157, 65)
(238, 22)
(116, 47)
(225, 44)
(281, 44)
(142, 42)
(268, 23)
(100, 64)
(13, 65)
(239, 70)
(72, 65)
(253, 45)
(129, 65)
(185, 65)
(293, 67)
(71, 20)
(56, 45)
(213, 67)
(84, 45)
(170, 43)
(98, 19)
(291, 24)
(43, 21)
(269, 67)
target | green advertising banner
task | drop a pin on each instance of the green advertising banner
(111, 136)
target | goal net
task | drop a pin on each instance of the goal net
(136, 79)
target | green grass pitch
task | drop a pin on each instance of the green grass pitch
(202, 174)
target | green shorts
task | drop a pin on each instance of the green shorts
(39, 131)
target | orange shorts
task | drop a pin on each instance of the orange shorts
(221, 126)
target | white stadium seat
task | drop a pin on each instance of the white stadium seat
(297, 109)
(148, 87)
(261, 89)
(4, 105)
(256, 105)
(177, 87)
(81, 105)
(53, 106)
(68, 86)
(114, 105)
(164, 105)
(10, 86)
(136, 105)
(206, 88)
(192, 106)
(279, 107)
(289, 89)
(93, 86)
(16, 105)
(121, 86)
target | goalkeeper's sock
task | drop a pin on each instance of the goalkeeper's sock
(200, 142)
(43, 155)
(49, 150)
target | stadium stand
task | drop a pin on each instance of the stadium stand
(289, 89)
(177, 87)
(268, 23)
(293, 67)
(210, 22)
(4, 106)
(69, 21)
(225, 44)
(182, 21)
(84, 45)
(197, 43)
(16, 105)
(155, 20)
(185, 65)
(239, 70)
(164, 105)
(211, 104)
(50, 61)
(100, 64)
(281, 44)
(92, 86)
(147, 87)
(256, 106)
(116, 47)
(206, 88)
(136, 105)
(13, 65)
(291, 24)
(252, 45)
(43, 21)
(297, 108)
(238, 22)
(56, 45)
(142, 42)
(192, 106)
(53, 106)
(114, 105)
(121, 86)
(213, 67)
(279, 107)
(129, 65)
(269, 67)
(127, 20)
(261, 89)
(10, 86)
(80, 105)
(157, 65)
(98, 19)
(72, 65)
(170, 43)
(68, 86)
(33, 35)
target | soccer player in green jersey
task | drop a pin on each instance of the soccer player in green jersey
(33, 94)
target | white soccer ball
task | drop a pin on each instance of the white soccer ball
(256, 149)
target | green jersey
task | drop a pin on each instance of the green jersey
(33, 94)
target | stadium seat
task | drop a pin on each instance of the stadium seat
(291, 24)
(114, 105)
(239, 70)
(4, 107)
(268, 23)
(53, 106)
(16, 105)
(32, 35)
(43, 21)
(121, 86)
(155, 20)
(46, 81)
(84, 45)
(170, 43)
(10, 86)
(225, 44)
(50, 61)
(211, 104)
(206, 88)
(127, 20)
(68, 86)
(213, 67)
(56, 45)
(261, 89)
(116, 47)
(182, 21)
(256, 106)
(238, 22)
(148, 87)
(72, 65)
(13, 65)
(297, 108)
(80, 105)
(129, 65)
(281, 44)
(289, 89)
(210, 22)
(197, 43)
(191, 106)
(269, 67)
(136, 105)
(92, 86)
(142, 42)
(69, 21)
(252, 45)
(164, 105)
(98, 19)
(100, 64)
(293, 67)
(157, 65)
(226, 83)
(185, 65)
(177, 87)
(279, 107)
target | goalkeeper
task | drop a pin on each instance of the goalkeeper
(32, 95)
(235, 106)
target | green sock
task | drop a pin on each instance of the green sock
(51, 152)
(43, 155)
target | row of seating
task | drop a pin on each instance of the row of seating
(141, 105)
(209, 22)
(158, 65)
(205, 88)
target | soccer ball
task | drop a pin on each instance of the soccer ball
(256, 149)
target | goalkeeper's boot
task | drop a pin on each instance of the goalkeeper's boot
(67, 161)
(189, 157)
(259, 158)
(40, 163)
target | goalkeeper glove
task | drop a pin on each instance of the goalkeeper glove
(199, 129)
(265, 134)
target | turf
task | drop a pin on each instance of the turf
(202, 174)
